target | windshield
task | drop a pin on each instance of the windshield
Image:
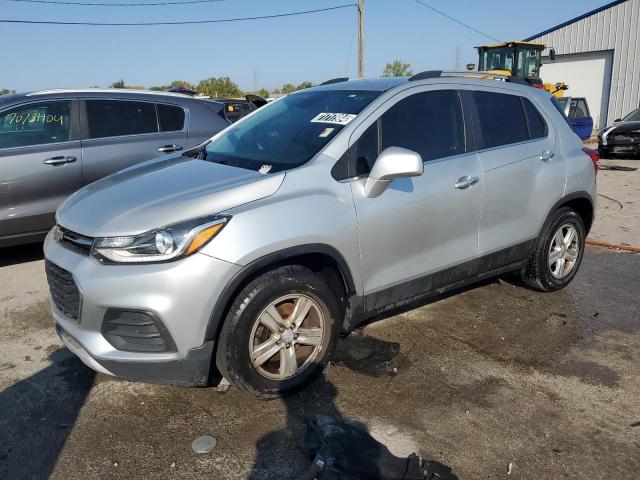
(633, 116)
(288, 133)
(497, 59)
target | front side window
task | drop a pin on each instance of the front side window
(114, 118)
(528, 64)
(429, 123)
(289, 132)
(578, 108)
(502, 119)
(36, 124)
(171, 118)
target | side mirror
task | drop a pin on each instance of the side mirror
(552, 54)
(471, 66)
(393, 162)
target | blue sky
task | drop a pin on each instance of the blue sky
(311, 47)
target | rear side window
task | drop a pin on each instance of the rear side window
(429, 123)
(36, 124)
(537, 125)
(502, 119)
(171, 118)
(113, 118)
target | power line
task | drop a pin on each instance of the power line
(455, 20)
(188, 22)
(99, 4)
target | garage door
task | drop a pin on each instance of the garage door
(588, 75)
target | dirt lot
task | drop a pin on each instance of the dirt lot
(494, 375)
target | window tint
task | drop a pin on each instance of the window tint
(537, 125)
(429, 123)
(171, 118)
(112, 118)
(36, 124)
(502, 119)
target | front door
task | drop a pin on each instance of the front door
(422, 232)
(40, 164)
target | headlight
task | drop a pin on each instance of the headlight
(160, 245)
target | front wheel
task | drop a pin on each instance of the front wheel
(279, 332)
(558, 252)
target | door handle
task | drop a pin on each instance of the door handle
(170, 148)
(61, 160)
(465, 182)
(546, 155)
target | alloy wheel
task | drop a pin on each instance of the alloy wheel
(287, 336)
(564, 251)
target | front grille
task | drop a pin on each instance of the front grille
(75, 241)
(64, 291)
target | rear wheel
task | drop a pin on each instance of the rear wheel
(558, 252)
(279, 332)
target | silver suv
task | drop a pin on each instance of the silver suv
(254, 251)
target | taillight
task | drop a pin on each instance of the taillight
(537, 85)
(595, 157)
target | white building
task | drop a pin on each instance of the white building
(598, 56)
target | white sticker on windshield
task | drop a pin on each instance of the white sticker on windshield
(326, 132)
(264, 169)
(335, 118)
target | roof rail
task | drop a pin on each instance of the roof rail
(443, 73)
(335, 80)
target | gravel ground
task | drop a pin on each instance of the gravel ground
(493, 375)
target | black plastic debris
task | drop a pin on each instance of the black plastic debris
(620, 168)
(346, 451)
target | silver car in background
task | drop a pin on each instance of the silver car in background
(54, 142)
(318, 211)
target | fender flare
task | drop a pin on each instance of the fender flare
(274, 258)
(579, 195)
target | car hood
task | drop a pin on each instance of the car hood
(622, 127)
(160, 193)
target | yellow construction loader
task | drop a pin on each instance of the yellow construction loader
(518, 59)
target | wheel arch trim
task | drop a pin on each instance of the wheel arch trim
(272, 259)
(579, 195)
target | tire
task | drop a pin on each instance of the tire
(604, 153)
(540, 273)
(250, 323)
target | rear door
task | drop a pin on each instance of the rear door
(119, 133)
(40, 163)
(523, 175)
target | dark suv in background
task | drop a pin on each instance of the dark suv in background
(53, 142)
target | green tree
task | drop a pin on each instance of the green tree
(263, 92)
(118, 84)
(218, 87)
(304, 85)
(181, 83)
(397, 69)
(288, 88)
(6, 91)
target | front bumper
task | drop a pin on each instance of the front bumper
(181, 295)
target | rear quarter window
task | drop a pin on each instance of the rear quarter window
(537, 126)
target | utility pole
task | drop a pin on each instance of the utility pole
(361, 38)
